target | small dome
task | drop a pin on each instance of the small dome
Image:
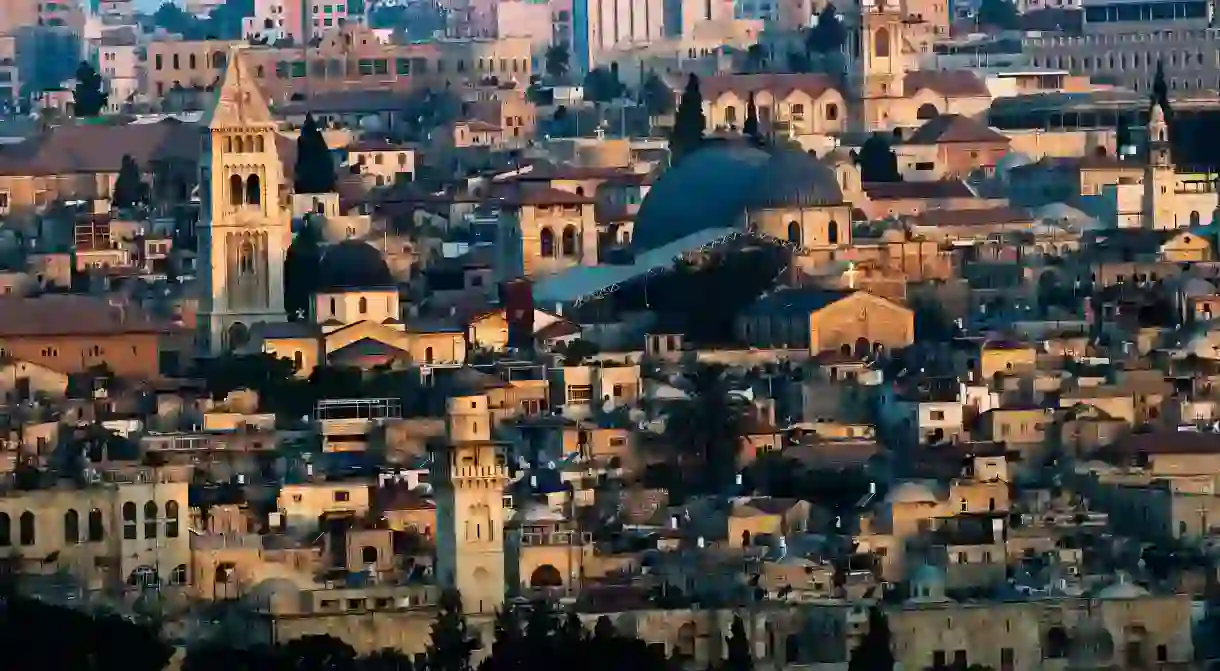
(911, 492)
(927, 585)
(1123, 590)
(1195, 287)
(352, 264)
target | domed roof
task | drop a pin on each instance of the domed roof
(716, 185)
(911, 492)
(1012, 159)
(1124, 589)
(352, 264)
(1196, 286)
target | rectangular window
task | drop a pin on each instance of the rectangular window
(381, 66)
(938, 415)
(618, 391)
(298, 70)
(580, 393)
(402, 66)
(366, 67)
(281, 69)
(342, 495)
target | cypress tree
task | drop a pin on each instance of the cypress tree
(452, 642)
(689, 122)
(89, 97)
(314, 171)
(738, 645)
(750, 128)
(128, 189)
(301, 271)
(873, 653)
(1160, 91)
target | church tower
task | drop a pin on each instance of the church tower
(244, 229)
(1159, 174)
(470, 477)
(879, 61)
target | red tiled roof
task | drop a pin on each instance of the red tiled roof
(70, 315)
(777, 84)
(917, 190)
(988, 216)
(100, 148)
(948, 128)
(950, 83)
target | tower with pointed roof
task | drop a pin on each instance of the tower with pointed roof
(1159, 173)
(245, 228)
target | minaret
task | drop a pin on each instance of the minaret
(470, 475)
(245, 228)
(1159, 174)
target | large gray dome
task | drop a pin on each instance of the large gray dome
(352, 264)
(717, 185)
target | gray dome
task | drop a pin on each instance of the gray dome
(352, 264)
(717, 185)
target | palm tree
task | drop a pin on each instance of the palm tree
(557, 57)
(708, 426)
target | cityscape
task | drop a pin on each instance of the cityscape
(664, 335)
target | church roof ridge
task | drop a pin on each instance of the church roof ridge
(239, 101)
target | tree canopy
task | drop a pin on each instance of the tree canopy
(89, 96)
(603, 85)
(750, 127)
(828, 35)
(557, 59)
(1000, 14)
(874, 652)
(658, 98)
(301, 270)
(689, 122)
(877, 160)
(314, 171)
(129, 189)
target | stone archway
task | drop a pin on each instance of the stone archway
(546, 576)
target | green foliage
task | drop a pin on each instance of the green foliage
(129, 190)
(738, 646)
(877, 160)
(658, 98)
(1160, 91)
(750, 127)
(689, 123)
(707, 428)
(301, 271)
(314, 171)
(89, 97)
(452, 641)
(828, 35)
(1000, 14)
(873, 653)
(557, 61)
(33, 633)
(602, 85)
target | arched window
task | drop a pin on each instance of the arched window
(218, 60)
(26, 531)
(368, 554)
(245, 258)
(150, 520)
(730, 115)
(258, 143)
(298, 360)
(569, 241)
(364, 305)
(546, 243)
(71, 526)
(129, 521)
(832, 232)
(332, 307)
(178, 575)
(236, 190)
(228, 145)
(428, 355)
(794, 233)
(927, 111)
(1194, 218)
(239, 145)
(171, 519)
(191, 61)
(254, 190)
(97, 531)
(881, 43)
(6, 530)
(239, 335)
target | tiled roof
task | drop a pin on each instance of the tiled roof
(544, 196)
(70, 315)
(948, 128)
(918, 190)
(779, 85)
(100, 148)
(950, 83)
(984, 216)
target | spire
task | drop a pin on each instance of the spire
(239, 102)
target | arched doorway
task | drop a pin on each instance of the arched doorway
(546, 576)
(239, 335)
(685, 644)
(863, 347)
(927, 111)
(881, 43)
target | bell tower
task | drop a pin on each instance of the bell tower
(879, 60)
(470, 476)
(1159, 174)
(244, 229)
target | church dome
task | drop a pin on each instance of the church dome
(911, 492)
(352, 264)
(719, 184)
